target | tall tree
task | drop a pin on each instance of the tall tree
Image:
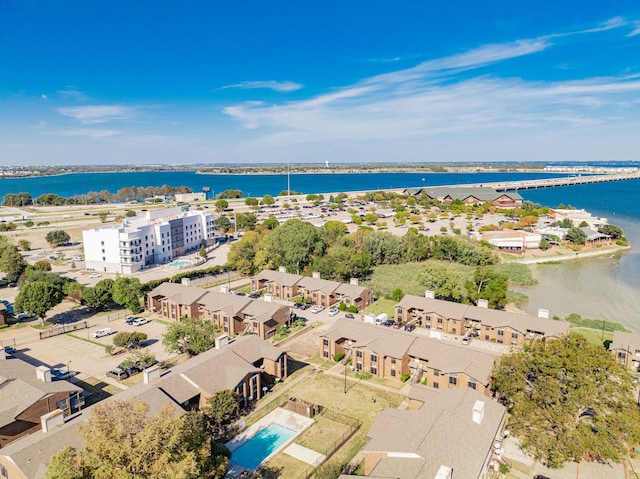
(296, 244)
(11, 262)
(57, 237)
(123, 442)
(446, 281)
(126, 292)
(190, 335)
(490, 285)
(38, 297)
(568, 400)
(221, 409)
(100, 295)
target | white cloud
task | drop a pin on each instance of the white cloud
(441, 97)
(86, 132)
(97, 113)
(279, 86)
(635, 31)
(43, 96)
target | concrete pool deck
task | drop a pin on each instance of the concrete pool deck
(283, 417)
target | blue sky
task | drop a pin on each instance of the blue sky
(153, 81)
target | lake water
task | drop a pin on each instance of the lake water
(604, 287)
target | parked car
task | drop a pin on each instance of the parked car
(238, 293)
(297, 305)
(12, 285)
(409, 327)
(130, 319)
(10, 350)
(317, 309)
(349, 316)
(118, 373)
(101, 332)
(304, 306)
(333, 311)
(77, 258)
(254, 295)
(61, 374)
(140, 321)
(22, 316)
(95, 275)
(466, 340)
(397, 325)
(388, 323)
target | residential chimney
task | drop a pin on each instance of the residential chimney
(268, 298)
(52, 419)
(354, 281)
(444, 472)
(43, 373)
(224, 289)
(315, 275)
(483, 303)
(429, 294)
(478, 412)
(543, 313)
(282, 269)
(151, 374)
(222, 341)
(185, 281)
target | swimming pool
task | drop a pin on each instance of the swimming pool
(263, 445)
(179, 263)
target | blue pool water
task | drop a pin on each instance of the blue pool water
(262, 445)
(178, 263)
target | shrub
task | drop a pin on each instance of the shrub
(405, 377)
(342, 306)
(338, 357)
(352, 309)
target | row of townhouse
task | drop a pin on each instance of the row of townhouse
(389, 353)
(140, 242)
(246, 366)
(230, 313)
(487, 324)
(470, 195)
(322, 292)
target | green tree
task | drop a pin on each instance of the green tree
(267, 200)
(103, 216)
(126, 292)
(223, 224)
(246, 221)
(446, 281)
(490, 285)
(42, 265)
(576, 236)
(130, 213)
(544, 244)
(24, 245)
(568, 400)
(383, 248)
(202, 252)
(397, 294)
(296, 244)
(251, 202)
(221, 205)
(37, 298)
(271, 223)
(333, 230)
(220, 410)
(611, 230)
(11, 262)
(100, 295)
(122, 442)
(125, 338)
(57, 237)
(189, 335)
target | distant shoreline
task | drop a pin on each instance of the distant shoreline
(575, 256)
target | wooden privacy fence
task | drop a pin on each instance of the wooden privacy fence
(63, 329)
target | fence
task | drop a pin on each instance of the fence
(215, 279)
(352, 423)
(65, 328)
(115, 316)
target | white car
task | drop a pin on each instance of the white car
(333, 311)
(95, 275)
(140, 321)
(77, 258)
(21, 316)
(317, 309)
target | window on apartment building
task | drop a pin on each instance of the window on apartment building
(101, 243)
(255, 324)
(325, 342)
(453, 380)
(374, 370)
(374, 358)
(358, 366)
(393, 373)
(436, 372)
(486, 337)
(440, 321)
(393, 360)
(622, 354)
(325, 353)
(471, 383)
(104, 259)
(514, 335)
(62, 404)
(103, 251)
(500, 332)
(358, 353)
(500, 341)
(436, 385)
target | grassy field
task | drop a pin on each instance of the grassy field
(356, 403)
(382, 306)
(386, 278)
(594, 336)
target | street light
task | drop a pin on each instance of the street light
(346, 363)
(68, 370)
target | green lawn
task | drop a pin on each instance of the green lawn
(386, 278)
(594, 336)
(382, 306)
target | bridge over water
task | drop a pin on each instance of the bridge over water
(552, 182)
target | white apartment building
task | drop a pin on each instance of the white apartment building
(140, 242)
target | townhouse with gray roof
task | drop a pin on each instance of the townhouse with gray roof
(313, 289)
(487, 324)
(247, 366)
(26, 393)
(455, 433)
(392, 354)
(470, 195)
(230, 313)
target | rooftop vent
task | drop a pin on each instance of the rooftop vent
(315, 275)
(478, 412)
(429, 294)
(483, 303)
(282, 269)
(543, 313)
